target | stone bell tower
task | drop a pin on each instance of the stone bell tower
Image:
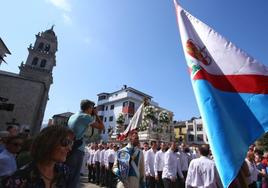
(39, 66)
(41, 58)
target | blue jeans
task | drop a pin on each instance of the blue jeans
(74, 161)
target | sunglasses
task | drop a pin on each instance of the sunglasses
(66, 142)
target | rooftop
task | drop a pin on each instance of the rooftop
(3, 44)
(65, 114)
(125, 88)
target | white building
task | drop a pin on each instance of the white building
(195, 132)
(126, 100)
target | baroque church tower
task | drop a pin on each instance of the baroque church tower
(39, 66)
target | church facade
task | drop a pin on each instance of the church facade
(24, 96)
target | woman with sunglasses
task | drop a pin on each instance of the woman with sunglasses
(47, 170)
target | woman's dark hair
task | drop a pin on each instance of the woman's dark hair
(45, 142)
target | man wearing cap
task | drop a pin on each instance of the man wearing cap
(79, 123)
(129, 164)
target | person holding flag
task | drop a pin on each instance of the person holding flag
(129, 164)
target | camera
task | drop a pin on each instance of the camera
(93, 111)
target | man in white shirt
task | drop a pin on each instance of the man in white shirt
(96, 161)
(106, 163)
(195, 153)
(253, 170)
(145, 148)
(171, 167)
(93, 163)
(102, 164)
(111, 158)
(8, 156)
(84, 163)
(185, 158)
(202, 172)
(149, 165)
(159, 165)
(89, 163)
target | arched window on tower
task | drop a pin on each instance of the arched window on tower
(35, 61)
(40, 46)
(43, 63)
(47, 47)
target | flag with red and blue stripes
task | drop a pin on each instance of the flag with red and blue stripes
(231, 90)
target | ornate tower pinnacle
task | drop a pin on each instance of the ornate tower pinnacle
(42, 58)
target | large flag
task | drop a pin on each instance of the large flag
(134, 123)
(231, 90)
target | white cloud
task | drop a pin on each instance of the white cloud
(65, 7)
(66, 19)
(61, 4)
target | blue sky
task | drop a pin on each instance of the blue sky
(104, 44)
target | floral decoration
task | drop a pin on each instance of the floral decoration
(164, 117)
(120, 119)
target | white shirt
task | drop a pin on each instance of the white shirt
(253, 171)
(96, 157)
(87, 154)
(144, 153)
(184, 160)
(159, 161)
(171, 165)
(111, 156)
(149, 163)
(90, 157)
(106, 162)
(102, 152)
(202, 173)
(7, 163)
(195, 154)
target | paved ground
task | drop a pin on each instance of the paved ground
(85, 184)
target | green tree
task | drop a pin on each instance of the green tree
(262, 143)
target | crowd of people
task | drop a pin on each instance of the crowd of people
(38, 162)
(52, 158)
(168, 165)
(99, 160)
(56, 157)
